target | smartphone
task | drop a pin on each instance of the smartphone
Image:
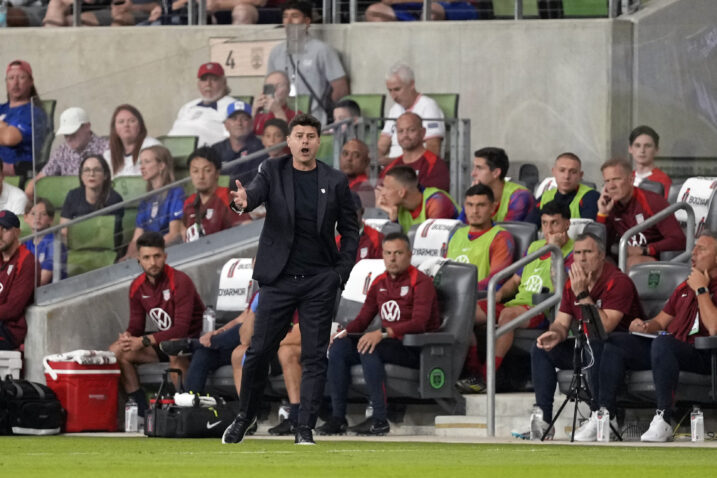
(269, 90)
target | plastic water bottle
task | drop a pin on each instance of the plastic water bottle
(697, 424)
(284, 411)
(131, 414)
(368, 413)
(209, 320)
(536, 423)
(603, 425)
(3, 13)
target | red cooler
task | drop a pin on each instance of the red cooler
(87, 392)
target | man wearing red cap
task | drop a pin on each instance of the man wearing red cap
(204, 117)
(17, 122)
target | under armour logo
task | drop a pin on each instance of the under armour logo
(390, 311)
(161, 318)
(534, 284)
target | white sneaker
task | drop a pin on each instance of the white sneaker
(588, 430)
(659, 431)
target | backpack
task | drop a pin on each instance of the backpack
(29, 408)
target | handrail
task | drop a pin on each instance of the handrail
(557, 265)
(652, 220)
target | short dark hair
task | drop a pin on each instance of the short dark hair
(278, 123)
(644, 129)
(481, 190)
(591, 235)
(617, 162)
(405, 175)
(554, 207)
(351, 105)
(569, 155)
(496, 158)
(303, 119)
(150, 239)
(49, 207)
(397, 236)
(300, 5)
(207, 153)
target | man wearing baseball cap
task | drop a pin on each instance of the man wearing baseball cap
(80, 142)
(241, 142)
(204, 116)
(17, 122)
(17, 286)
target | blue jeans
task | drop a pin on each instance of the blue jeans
(343, 355)
(207, 359)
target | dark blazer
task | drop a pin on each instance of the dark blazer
(274, 186)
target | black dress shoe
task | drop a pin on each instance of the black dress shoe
(238, 428)
(283, 428)
(304, 436)
(372, 426)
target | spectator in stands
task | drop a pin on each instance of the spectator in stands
(204, 117)
(515, 202)
(275, 132)
(320, 73)
(272, 102)
(80, 143)
(406, 301)
(689, 313)
(207, 211)
(515, 296)
(162, 212)
(347, 109)
(353, 162)
(622, 206)
(408, 203)
(17, 284)
(169, 298)
(369, 238)
(644, 146)
(21, 124)
(11, 198)
(128, 136)
(95, 192)
(241, 142)
(401, 85)
(94, 13)
(408, 10)
(432, 171)
(131, 12)
(581, 200)
(38, 219)
(592, 281)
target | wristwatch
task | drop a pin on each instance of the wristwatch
(583, 295)
(701, 290)
(384, 333)
(645, 251)
(145, 341)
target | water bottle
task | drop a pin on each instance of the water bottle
(284, 411)
(208, 320)
(3, 13)
(536, 423)
(131, 414)
(697, 424)
(603, 425)
(369, 411)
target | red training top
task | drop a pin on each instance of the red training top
(17, 289)
(682, 306)
(431, 170)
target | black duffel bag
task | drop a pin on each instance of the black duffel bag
(29, 408)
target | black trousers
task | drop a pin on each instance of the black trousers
(315, 298)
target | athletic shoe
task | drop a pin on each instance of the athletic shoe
(540, 427)
(371, 426)
(471, 385)
(285, 427)
(333, 426)
(179, 348)
(659, 431)
(237, 429)
(304, 436)
(588, 430)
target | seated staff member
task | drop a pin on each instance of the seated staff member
(569, 190)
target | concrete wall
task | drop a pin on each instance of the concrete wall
(535, 87)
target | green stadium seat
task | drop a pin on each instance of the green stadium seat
(48, 106)
(128, 224)
(55, 188)
(24, 228)
(300, 103)
(79, 262)
(585, 8)
(448, 102)
(180, 147)
(371, 104)
(13, 180)
(129, 187)
(326, 149)
(506, 8)
(223, 182)
(95, 233)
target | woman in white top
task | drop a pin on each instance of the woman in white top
(128, 136)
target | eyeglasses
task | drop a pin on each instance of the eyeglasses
(92, 171)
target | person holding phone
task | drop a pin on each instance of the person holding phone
(272, 103)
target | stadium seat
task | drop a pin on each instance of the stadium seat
(24, 228)
(326, 149)
(674, 190)
(524, 234)
(529, 175)
(129, 187)
(652, 186)
(372, 105)
(129, 222)
(503, 9)
(55, 188)
(300, 103)
(91, 245)
(585, 8)
(180, 147)
(442, 352)
(448, 102)
(655, 282)
(12, 180)
(579, 225)
(699, 193)
(374, 213)
(431, 239)
(248, 99)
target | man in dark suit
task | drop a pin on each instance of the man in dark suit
(298, 266)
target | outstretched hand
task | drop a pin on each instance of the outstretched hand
(239, 196)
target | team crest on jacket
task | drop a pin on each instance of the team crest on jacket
(165, 294)
(404, 290)
(363, 252)
(161, 318)
(390, 311)
(210, 213)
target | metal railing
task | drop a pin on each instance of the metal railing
(651, 221)
(557, 265)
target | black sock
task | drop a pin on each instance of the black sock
(294, 413)
(141, 399)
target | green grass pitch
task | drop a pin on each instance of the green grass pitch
(139, 457)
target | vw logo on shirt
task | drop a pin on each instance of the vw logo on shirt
(390, 311)
(161, 318)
